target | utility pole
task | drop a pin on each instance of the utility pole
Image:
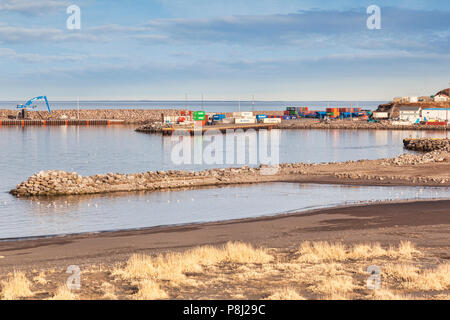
(202, 103)
(448, 99)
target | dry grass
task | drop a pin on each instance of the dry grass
(337, 285)
(329, 252)
(318, 270)
(173, 266)
(412, 278)
(40, 279)
(16, 286)
(285, 294)
(383, 294)
(150, 290)
(108, 291)
(405, 250)
(63, 293)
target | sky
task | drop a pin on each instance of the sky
(224, 49)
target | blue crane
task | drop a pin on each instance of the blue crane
(28, 104)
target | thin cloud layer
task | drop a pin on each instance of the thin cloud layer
(260, 51)
(32, 7)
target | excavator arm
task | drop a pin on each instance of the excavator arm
(29, 102)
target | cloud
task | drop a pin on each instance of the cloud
(8, 53)
(32, 6)
(212, 68)
(21, 34)
(292, 28)
(402, 29)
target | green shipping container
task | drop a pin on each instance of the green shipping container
(199, 118)
(199, 113)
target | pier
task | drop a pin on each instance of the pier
(221, 128)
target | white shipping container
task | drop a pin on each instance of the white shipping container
(171, 119)
(243, 114)
(271, 120)
(246, 114)
(380, 115)
(227, 120)
(401, 123)
(244, 120)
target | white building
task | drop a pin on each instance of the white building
(409, 113)
(440, 114)
(406, 99)
(440, 98)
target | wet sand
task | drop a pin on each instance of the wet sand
(426, 223)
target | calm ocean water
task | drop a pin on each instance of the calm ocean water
(93, 150)
(208, 106)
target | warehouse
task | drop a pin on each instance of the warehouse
(440, 114)
(409, 113)
(441, 98)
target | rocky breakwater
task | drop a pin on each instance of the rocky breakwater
(431, 169)
(391, 170)
(132, 116)
(52, 183)
(352, 125)
(426, 144)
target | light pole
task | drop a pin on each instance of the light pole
(446, 108)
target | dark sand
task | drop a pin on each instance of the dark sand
(426, 223)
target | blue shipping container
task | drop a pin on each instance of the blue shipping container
(218, 116)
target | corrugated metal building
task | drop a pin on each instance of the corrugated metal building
(409, 113)
(440, 114)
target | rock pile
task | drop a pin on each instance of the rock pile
(352, 125)
(153, 127)
(411, 159)
(426, 144)
(138, 116)
(53, 182)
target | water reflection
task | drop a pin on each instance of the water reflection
(93, 150)
(75, 214)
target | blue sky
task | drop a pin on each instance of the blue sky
(227, 50)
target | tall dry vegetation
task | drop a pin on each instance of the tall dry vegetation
(412, 278)
(329, 252)
(317, 270)
(64, 293)
(16, 286)
(173, 267)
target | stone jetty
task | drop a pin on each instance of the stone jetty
(130, 116)
(426, 144)
(353, 125)
(426, 169)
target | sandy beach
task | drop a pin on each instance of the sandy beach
(425, 223)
